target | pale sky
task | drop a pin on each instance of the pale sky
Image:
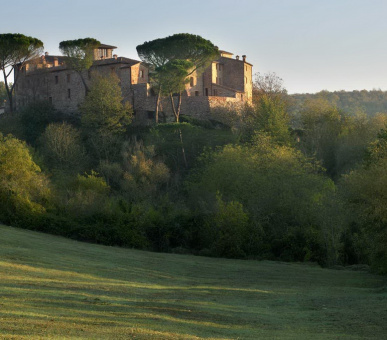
(313, 45)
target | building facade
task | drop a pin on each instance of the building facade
(227, 81)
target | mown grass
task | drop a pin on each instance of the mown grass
(51, 287)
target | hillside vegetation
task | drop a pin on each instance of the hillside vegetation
(62, 289)
(369, 102)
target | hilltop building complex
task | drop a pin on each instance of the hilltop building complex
(227, 81)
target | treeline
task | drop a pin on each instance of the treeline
(254, 187)
(353, 102)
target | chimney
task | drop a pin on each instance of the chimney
(55, 61)
(115, 56)
(244, 58)
(46, 54)
(237, 57)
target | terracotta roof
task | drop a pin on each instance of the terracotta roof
(50, 58)
(119, 60)
(222, 51)
(107, 46)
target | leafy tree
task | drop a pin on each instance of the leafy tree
(357, 133)
(322, 124)
(171, 54)
(365, 191)
(15, 50)
(62, 148)
(103, 110)
(281, 191)
(268, 115)
(226, 231)
(80, 56)
(104, 115)
(173, 77)
(143, 174)
(268, 84)
(23, 189)
(34, 119)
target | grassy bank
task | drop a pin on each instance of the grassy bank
(58, 288)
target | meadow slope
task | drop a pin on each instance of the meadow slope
(52, 287)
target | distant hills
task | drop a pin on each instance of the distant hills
(369, 102)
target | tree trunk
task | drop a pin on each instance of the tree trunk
(182, 148)
(173, 108)
(87, 89)
(176, 111)
(9, 91)
(157, 105)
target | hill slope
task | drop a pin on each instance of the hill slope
(58, 288)
(370, 102)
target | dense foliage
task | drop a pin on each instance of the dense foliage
(268, 185)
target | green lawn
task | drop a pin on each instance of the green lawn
(52, 287)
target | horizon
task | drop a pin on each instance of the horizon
(334, 46)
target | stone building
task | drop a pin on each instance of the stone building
(227, 81)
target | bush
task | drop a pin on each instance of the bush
(24, 190)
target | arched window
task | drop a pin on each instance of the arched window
(191, 81)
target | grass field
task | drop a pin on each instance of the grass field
(55, 288)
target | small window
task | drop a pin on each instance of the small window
(242, 97)
(56, 79)
(207, 92)
(246, 79)
(197, 93)
(191, 81)
(141, 74)
(69, 93)
(68, 78)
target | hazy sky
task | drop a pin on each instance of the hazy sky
(312, 44)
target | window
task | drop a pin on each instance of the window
(191, 81)
(56, 79)
(141, 74)
(68, 93)
(197, 93)
(68, 78)
(242, 97)
(207, 92)
(102, 53)
(246, 79)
